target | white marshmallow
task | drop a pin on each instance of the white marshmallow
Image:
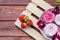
(57, 19)
(50, 29)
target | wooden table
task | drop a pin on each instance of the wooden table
(9, 12)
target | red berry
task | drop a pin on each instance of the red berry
(29, 22)
(23, 25)
(40, 24)
(21, 18)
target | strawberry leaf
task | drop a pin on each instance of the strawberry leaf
(26, 18)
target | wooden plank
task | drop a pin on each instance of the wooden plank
(10, 12)
(28, 30)
(50, 1)
(36, 35)
(25, 38)
(12, 33)
(14, 2)
(7, 25)
(7, 28)
(16, 38)
(8, 38)
(33, 8)
(10, 29)
(20, 2)
(42, 4)
(38, 12)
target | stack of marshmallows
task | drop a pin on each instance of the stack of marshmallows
(49, 23)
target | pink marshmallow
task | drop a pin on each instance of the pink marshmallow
(48, 16)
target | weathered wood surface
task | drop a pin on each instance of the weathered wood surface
(9, 12)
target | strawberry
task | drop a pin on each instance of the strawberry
(29, 22)
(21, 18)
(23, 25)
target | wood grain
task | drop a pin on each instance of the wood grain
(26, 38)
(22, 2)
(14, 33)
(9, 38)
(7, 25)
(13, 2)
(16, 38)
(7, 28)
(10, 12)
(50, 1)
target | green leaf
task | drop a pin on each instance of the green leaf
(26, 19)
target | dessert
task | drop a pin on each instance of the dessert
(50, 29)
(50, 23)
(48, 16)
(57, 19)
(58, 31)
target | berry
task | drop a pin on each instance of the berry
(40, 24)
(21, 18)
(23, 25)
(29, 22)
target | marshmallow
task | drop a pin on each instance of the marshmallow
(48, 16)
(57, 19)
(50, 29)
(58, 31)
